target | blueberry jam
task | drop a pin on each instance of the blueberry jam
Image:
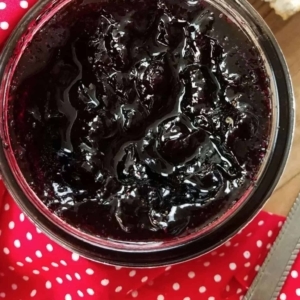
(140, 120)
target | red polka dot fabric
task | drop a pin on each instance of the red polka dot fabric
(34, 267)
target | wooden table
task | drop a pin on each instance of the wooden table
(287, 34)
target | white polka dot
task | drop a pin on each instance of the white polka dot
(38, 230)
(48, 285)
(63, 262)
(22, 217)
(246, 278)
(282, 296)
(36, 272)
(217, 278)
(33, 293)
(90, 292)
(144, 279)
(186, 298)
(260, 223)
(6, 206)
(68, 277)
(75, 256)
(249, 234)
(29, 236)
(191, 274)
(26, 278)
(228, 244)
(298, 292)
(247, 254)
(241, 297)
(176, 286)
(2, 295)
(259, 244)
(11, 268)
(160, 297)
(20, 264)
(24, 4)
(294, 274)
(238, 291)
(68, 297)
(118, 268)
(132, 273)
(134, 294)
(236, 244)
(211, 298)
(247, 265)
(11, 224)
(257, 268)
(270, 233)
(49, 247)
(38, 253)
(89, 271)
(17, 243)
(77, 276)
(45, 269)
(280, 224)
(222, 254)
(59, 280)
(28, 259)
(206, 264)
(269, 246)
(80, 293)
(232, 266)
(14, 286)
(202, 289)
(54, 264)
(227, 288)
(104, 282)
(168, 268)
(6, 251)
(118, 289)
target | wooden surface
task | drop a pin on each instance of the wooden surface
(287, 34)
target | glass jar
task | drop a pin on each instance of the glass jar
(160, 253)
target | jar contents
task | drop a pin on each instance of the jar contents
(140, 120)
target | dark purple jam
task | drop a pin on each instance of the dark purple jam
(140, 119)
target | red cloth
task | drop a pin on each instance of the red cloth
(34, 267)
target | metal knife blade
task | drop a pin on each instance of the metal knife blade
(273, 273)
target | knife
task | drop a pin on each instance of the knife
(274, 271)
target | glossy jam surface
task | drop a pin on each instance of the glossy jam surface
(140, 119)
